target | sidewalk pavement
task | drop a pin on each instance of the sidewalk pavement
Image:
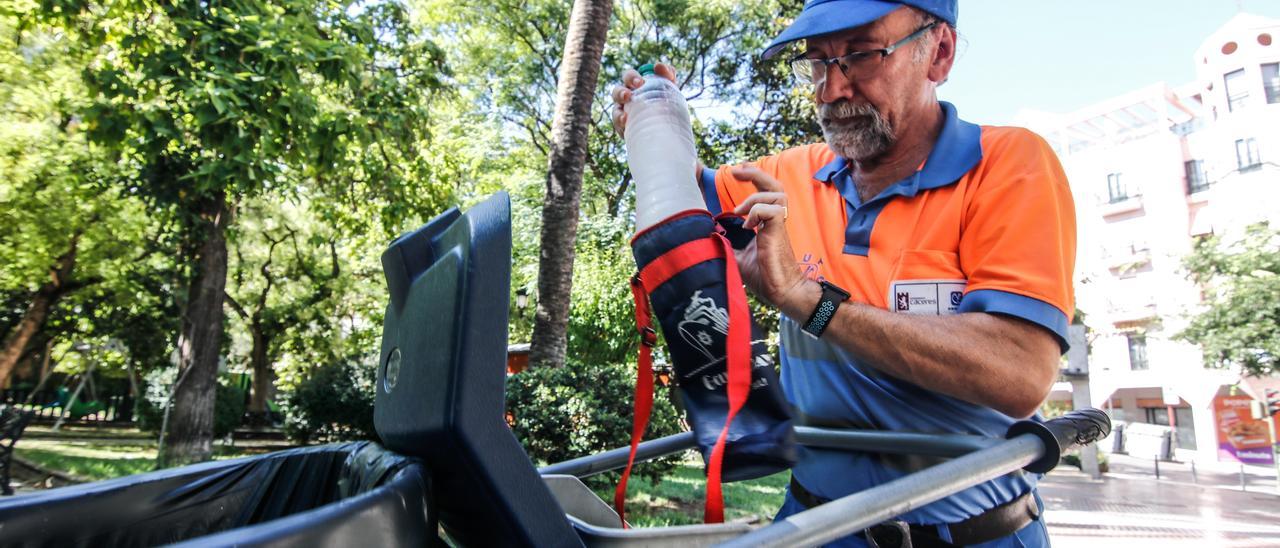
(1129, 507)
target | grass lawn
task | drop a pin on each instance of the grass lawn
(98, 459)
(678, 498)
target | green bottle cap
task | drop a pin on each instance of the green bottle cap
(645, 69)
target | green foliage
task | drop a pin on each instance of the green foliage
(602, 325)
(1241, 283)
(334, 404)
(581, 408)
(1053, 409)
(250, 97)
(228, 410)
(505, 57)
(1073, 459)
(157, 384)
(56, 189)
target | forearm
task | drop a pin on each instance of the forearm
(999, 362)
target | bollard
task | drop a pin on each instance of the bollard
(1156, 459)
(1194, 479)
(1242, 477)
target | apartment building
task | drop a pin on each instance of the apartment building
(1152, 171)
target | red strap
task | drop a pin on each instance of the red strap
(737, 343)
(738, 385)
(678, 260)
(644, 391)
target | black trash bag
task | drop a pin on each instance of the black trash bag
(330, 495)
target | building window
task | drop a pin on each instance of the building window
(1271, 82)
(1137, 352)
(1115, 189)
(1196, 181)
(1237, 92)
(1247, 156)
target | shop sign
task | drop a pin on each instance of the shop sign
(1240, 436)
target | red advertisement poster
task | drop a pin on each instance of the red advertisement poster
(1240, 436)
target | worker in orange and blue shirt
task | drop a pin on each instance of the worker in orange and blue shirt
(922, 264)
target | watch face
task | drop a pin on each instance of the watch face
(833, 288)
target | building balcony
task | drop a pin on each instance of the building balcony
(1125, 206)
(1199, 194)
(1132, 313)
(1126, 263)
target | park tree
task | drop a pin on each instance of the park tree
(284, 268)
(507, 60)
(66, 229)
(1240, 277)
(214, 103)
(566, 159)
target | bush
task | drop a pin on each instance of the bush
(228, 409)
(569, 412)
(155, 391)
(228, 406)
(1073, 459)
(334, 404)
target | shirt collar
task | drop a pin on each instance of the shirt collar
(957, 150)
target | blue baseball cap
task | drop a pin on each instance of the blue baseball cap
(821, 17)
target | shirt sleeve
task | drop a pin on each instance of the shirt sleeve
(1018, 240)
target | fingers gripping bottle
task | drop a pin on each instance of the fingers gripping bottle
(688, 279)
(660, 151)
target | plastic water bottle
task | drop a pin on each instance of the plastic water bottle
(660, 151)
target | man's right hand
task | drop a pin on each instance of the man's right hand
(622, 94)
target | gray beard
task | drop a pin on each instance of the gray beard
(856, 132)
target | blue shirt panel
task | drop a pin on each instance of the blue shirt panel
(824, 381)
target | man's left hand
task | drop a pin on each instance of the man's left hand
(768, 264)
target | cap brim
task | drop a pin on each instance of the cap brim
(830, 17)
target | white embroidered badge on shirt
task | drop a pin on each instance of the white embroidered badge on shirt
(934, 297)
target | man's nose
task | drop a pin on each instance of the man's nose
(834, 86)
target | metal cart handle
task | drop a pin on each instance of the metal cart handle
(1061, 434)
(1031, 445)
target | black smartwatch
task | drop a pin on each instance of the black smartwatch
(832, 296)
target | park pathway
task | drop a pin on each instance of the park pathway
(1130, 508)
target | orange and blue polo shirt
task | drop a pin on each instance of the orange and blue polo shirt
(987, 224)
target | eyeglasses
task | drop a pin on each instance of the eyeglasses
(814, 71)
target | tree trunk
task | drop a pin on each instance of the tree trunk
(584, 43)
(32, 321)
(264, 378)
(190, 437)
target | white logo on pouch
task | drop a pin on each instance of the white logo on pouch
(934, 297)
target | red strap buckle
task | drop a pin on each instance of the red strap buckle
(648, 336)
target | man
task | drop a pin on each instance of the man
(922, 264)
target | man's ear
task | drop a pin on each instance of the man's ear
(944, 55)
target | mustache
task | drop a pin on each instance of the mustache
(845, 109)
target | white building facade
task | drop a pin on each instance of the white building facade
(1152, 171)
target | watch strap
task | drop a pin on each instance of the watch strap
(832, 296)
